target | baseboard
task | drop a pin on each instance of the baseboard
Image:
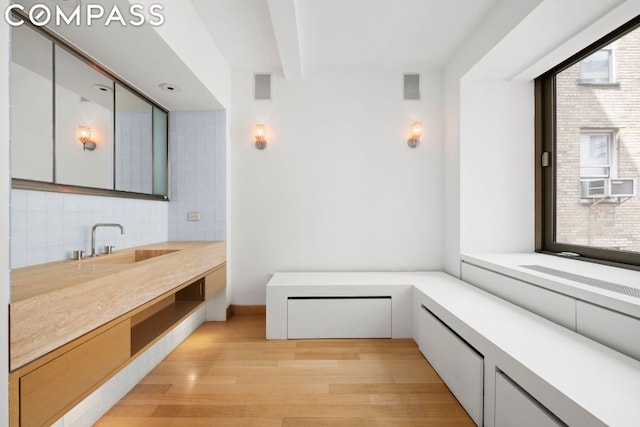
(244, 310)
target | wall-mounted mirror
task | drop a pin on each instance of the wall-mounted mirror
(76, 129)
(160, 151)
(134, 152)
(83, 103)
(31, 105)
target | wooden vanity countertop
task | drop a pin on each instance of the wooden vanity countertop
(55, 303)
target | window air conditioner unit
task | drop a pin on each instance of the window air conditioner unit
(593, 189)
(624, 187)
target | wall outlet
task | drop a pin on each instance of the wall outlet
(193, 216)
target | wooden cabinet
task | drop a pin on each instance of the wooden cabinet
(66, 379)
(459, 365)
(515, 407)
(45, 389)
(151, 323)
(215, 281)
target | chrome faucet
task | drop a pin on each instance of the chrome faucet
(93, 235)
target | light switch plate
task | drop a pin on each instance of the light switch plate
(193, 216)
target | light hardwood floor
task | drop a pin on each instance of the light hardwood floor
(227, 374)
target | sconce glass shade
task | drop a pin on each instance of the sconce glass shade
(260, 135)
(84, 136)
(415, 134)
(84, 133)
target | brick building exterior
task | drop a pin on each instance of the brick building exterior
(598, 138)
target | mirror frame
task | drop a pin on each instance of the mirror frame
(27, 184)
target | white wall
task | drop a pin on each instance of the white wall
(496, 166)
(4, 217)
(451, 174)
(500, 21)
(337, 187)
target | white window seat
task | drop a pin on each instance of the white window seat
(511, 265)
(599, 301)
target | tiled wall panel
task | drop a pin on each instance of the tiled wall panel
(48, 227)
(198, 184)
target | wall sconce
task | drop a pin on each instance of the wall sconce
(415, 134)
(260, 134)
(84, 135)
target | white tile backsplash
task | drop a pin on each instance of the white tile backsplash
(36, 201)
(56, 224)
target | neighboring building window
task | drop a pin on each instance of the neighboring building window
(599, 67)
(588, 139)
(596, 155)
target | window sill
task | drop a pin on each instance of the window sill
(603, 84)
(511, 265)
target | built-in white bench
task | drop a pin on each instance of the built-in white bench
(307, 305)
(506, 365)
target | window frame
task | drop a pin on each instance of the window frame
(545, 155)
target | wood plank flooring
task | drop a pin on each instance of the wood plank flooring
(227, 374)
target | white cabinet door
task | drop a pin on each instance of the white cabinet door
(613, 329)
(339, 317)
(516, 408)
(457, 363)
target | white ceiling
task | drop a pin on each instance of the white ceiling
(137, 55)
(242, 29)
(287, 35)
(378, 33)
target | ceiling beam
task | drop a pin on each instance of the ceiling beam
(285, 27)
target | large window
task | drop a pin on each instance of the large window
(588, 143)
